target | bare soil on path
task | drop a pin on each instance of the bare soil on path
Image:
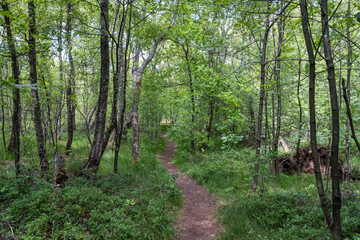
(198, 218)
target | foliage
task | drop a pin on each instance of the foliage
(286, 207)
(138, 203)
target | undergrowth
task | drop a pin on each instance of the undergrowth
(284, 207)
(140, 202)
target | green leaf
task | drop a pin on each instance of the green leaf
(358, 16)
(350, 21)
(5, 13)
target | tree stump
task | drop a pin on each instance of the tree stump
(60, 171)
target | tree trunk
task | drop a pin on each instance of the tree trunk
(70, 87)
(255, 181)
(116, 83)
(335, 225)
(266, 124)
(348, 111)
(252, 120)
(2, 113)
(44, 164)
(138, 72)
(300, 121)
(211, 102)
(135, 116)
(48, 114)
(95, 154)
(123, 65)
(277, 74)
(313, 140)
(211, 117)
(348, 75)
(16, 117)
(192, 97)
(61, 74)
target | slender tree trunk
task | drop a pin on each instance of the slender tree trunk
(273, 119)
(313, 140)
(277, 73)
(138, 72)
(123, 65)
(116, 83)
(340, 72)
(70, 86)
(95, 154)
(211, 117)
(335, 227)
(192, 97)
(44, 164)
(16, 117)
(212, 102)
(348, 111)
(61, 74)
(300, 122)
(266, 124)
(333, 222)
(252, 120)
(2, 113)
(48, 124)
(135, 107)
(255, 181)
(348, 75)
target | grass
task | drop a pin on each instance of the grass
(140, 202)
(284, 207)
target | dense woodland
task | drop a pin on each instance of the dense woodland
(260, 97)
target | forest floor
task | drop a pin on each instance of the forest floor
(198, 217)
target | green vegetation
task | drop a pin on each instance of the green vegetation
(284, 207)
(138, 203)
(239, 84)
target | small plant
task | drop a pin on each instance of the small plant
(230, 142)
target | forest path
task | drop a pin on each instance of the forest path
(198, 217)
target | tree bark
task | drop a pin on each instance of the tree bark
(192, 97)
(300, 122)
(138, 72)
(313, 141)
(16, 117)
(212, 101)
(277, 74)
(48, 128)
(267, 133)
(252, 120)
(70, 86)
(335, 225)
(44, 164)
(61, 74)
(348, 111)
(3, 113)
(95, 154)
(255, 180)
(116, 83)
(117, 79)
(123, 65)
(348, 75)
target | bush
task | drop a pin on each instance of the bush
(286, 207)
(138, 203)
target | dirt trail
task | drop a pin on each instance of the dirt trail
(198, 218)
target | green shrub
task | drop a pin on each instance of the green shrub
(285, 207)
(140, 202)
